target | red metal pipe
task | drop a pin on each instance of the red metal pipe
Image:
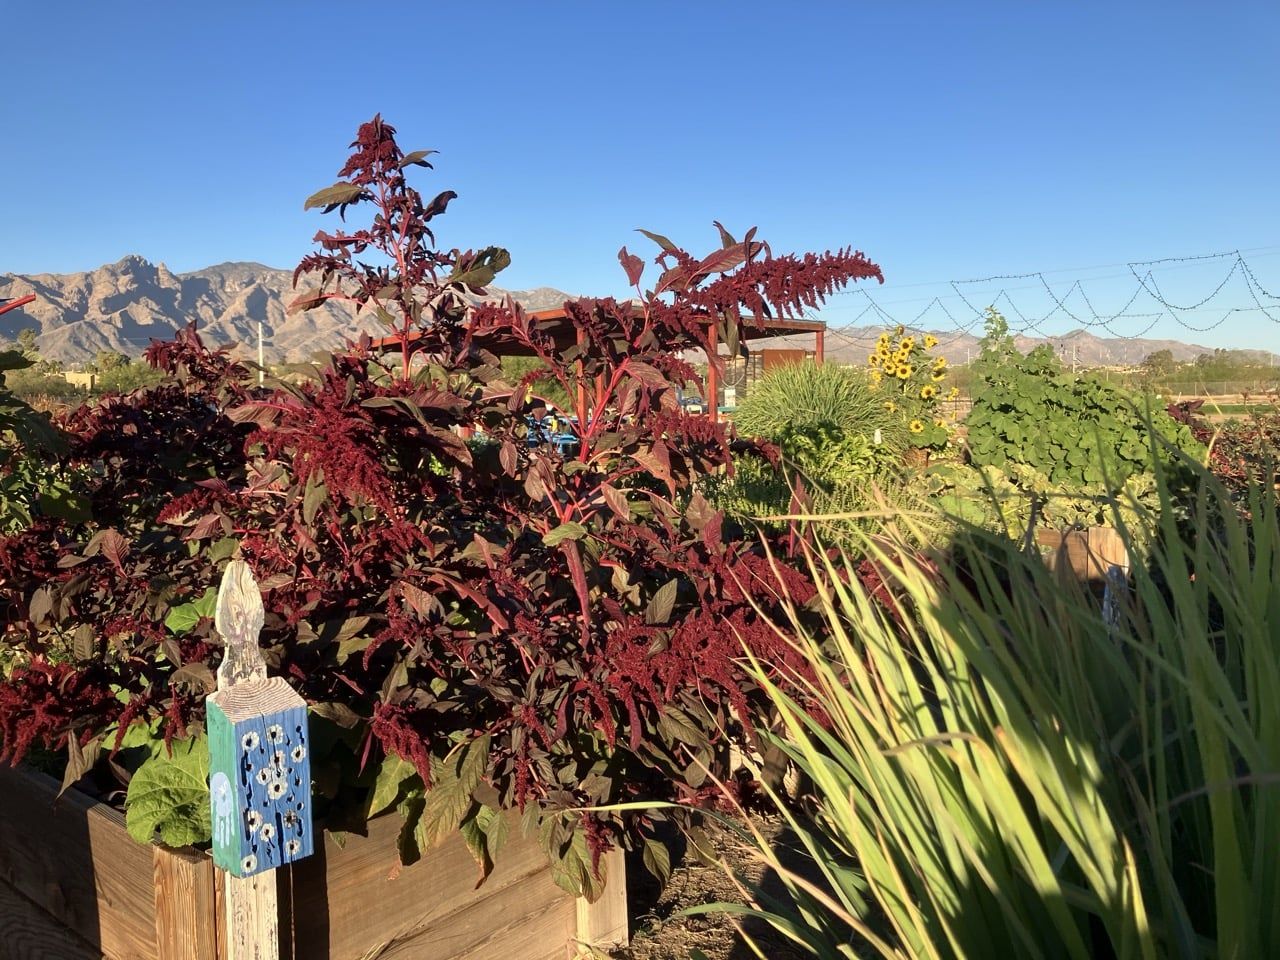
(20, 302)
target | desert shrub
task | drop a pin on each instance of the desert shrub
(796, 396)
(1000, 768)
(476, 625)
(834, 437)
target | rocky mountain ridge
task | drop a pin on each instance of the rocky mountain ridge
(122, 306)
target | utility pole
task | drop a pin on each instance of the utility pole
(1075, 356)
(261, 362)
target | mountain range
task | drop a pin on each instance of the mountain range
(122, 306)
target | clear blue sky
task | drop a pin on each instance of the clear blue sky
(948, 141)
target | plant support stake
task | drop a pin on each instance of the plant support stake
(259, 772)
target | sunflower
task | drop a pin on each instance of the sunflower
(955, 392)
(873, 360)
(876, 377)
(940, 363)
(916, 426)
(891, 406)
(939, 375)
(904, 371)
(928, 392)
(908, 344)
(939, 422)
(930, 341)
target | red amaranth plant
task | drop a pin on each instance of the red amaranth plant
(551, 630)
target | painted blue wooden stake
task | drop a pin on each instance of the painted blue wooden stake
(259, 770)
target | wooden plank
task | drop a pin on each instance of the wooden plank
(603, 924)
(74, 860)
(529, 920)
(352, 899)
(28, 933)
(186, 912)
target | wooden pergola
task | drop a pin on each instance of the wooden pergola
(556, 322)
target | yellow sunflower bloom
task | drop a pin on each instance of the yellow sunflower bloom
(955, 392)
(928, 391)
(904, 370)
(940, 363)
(930, 341)
(908, 344)
(939, 375)
(876, 377)
(891, 406)
(916, 426)
(939, 422)
(873, 360)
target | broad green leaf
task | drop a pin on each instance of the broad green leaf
(170, 795)
(330, 196)
(449, 798)
(184, 617)
(392, 775)
(566, 531)
(658, 612)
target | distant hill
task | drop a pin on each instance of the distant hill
(123, 306)
(852, 344)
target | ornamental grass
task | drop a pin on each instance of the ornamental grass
(1002, 766)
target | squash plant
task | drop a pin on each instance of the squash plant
(1079, 433)
(477, 624)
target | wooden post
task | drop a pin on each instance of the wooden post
(603, 925)
(259, 772)
(713, 375)
(819, 346)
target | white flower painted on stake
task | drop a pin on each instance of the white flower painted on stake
(291, 847)
(249, 741)
(278, 759)
(249, 864)
(253, 820)
(276, 789)
(264, 776)
(268, 832)
(299, 754)
(275, 733)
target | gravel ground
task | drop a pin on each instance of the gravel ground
(660, 932)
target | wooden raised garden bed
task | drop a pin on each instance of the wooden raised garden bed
(74, 886)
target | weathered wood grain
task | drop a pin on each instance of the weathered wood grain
(353, 899)
(74, 860)
(186, 911)
(603, 924)
(28, 933)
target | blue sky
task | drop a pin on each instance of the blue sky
(948, 141)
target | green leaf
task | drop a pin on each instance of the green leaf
(659, 239)
(184, 617)
(170, 794)
(566, 531)
(392, 775)
(332, 196)
(657, 860)
(478, 271)
(449, 798)
(62, 504)
(484, 831)
(658, 612)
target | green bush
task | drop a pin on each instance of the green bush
(1002, 769)
(799, 395)
(833, 433)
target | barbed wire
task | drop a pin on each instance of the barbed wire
(1087, 315)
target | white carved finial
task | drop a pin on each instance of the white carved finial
(239, 617)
